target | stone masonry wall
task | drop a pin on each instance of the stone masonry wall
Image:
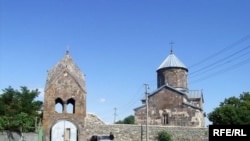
(124, 132)
(13, 136)
(138, 133)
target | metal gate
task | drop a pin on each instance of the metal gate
(64, 130)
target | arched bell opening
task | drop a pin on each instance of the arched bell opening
(59, 108)
(71, 106)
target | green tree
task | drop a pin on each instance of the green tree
(164, 136)
(119, 122)
(19, 109)
(128, 120)
(232, 111)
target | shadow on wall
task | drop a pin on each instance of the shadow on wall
(10, 135)
(102, 137)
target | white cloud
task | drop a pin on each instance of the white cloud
(102, 100)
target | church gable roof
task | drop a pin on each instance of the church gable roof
(140, 107)
(172, 61)
(195, 94)
(191, 94)
(168, 87)
(191, 105)
(66, 64)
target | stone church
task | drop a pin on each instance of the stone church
(64, 112)
(172, 103)
(64, 109)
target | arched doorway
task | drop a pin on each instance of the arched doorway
(64, 130)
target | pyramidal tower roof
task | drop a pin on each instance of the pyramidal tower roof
(66, 64)
(172, 62)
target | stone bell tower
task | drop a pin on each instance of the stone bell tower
(64, 102)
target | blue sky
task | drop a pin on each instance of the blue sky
(119, 44)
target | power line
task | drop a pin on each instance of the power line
(213, 68)
(223, 50)
(221, 62)
(132, 101)
(230, 68)
(217, 66)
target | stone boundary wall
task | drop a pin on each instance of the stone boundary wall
(124, 132)
(13, 136)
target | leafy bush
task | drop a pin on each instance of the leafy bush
(19, 109)
(164, 136)
(128, 120)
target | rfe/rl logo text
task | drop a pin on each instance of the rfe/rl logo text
(235, 132)
(229, 132)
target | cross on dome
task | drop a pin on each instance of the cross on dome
(67, 50)
(171, 45)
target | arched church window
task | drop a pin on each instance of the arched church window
(71, 106)
(160, 79)
(165, 119)
(59, 105)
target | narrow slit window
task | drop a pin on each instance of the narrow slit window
(165, 119)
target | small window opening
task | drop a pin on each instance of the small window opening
(59, 105)
(71, 106)
(165, 119)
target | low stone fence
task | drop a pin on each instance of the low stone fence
(124, 132)
(13, 136)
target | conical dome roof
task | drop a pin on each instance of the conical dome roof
(172, 62)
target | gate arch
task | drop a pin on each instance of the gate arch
(63, 130)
